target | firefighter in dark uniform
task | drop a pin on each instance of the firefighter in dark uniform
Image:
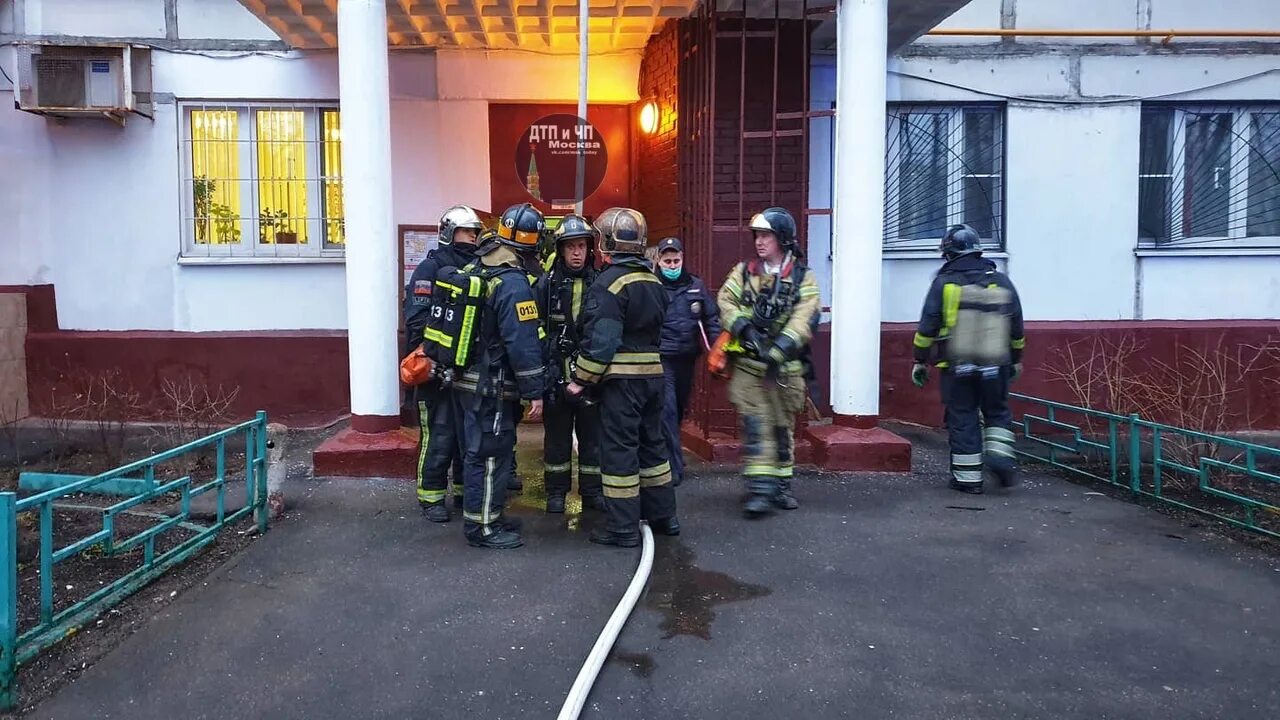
(619, 359)
(438, 442)
(508, 368)
(972, 327)
(562, 292)
(692, 324)
(771, 307)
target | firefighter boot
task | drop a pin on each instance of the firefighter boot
(555, 504)
(501, 538)
(435, 512)
(784, 500)
(604, 536)
(757, 506)
(1005, 470)
(666, 526)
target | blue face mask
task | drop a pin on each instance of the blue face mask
(670, 274)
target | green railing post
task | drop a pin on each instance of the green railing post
(260, 471)
(1135, 454)
(8, 598)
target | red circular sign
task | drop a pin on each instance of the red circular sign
(547, 159)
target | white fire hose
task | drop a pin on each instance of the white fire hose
(587, 675)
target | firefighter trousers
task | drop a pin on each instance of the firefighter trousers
(439, 444)
(978, 419)
(677, 376)
(560, 422)
(767, 411)
(488, 460)
(633, 454)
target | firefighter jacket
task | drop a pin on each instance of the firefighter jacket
(951, 302)
(785, 307)
(623, 317)
(561, 294)
(688, 306)
(417, 294)
(510, 361)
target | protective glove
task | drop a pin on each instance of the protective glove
(774, 360)
(919, 374)
(1017, 370)
(754, 341)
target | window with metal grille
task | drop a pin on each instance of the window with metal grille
(1209, 177)
(944, 165)
(262, 180)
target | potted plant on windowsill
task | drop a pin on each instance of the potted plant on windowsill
(274, 226)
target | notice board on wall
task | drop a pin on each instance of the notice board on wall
(533, 156)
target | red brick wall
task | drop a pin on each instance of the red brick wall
(656, 180)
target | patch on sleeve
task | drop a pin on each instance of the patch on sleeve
(421, 287)
(526, 310)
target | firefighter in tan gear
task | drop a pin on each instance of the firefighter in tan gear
(770, 308)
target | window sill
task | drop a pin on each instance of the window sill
(935, 255)
(248, 260)
(1206, 252)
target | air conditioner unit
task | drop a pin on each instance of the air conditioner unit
(75, 80)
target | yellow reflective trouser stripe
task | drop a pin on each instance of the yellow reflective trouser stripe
(588, 469)
(558, 467)
(424, 426)
(621, 493)
(923, 342)
(998, 441)
(758, 470)
(484, 518)
(950, 304)
(636, 358)
(620, 481)
(656, 470)
(587, 365)
(656, 476)
(1018, 343)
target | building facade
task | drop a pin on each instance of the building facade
(1128, 182)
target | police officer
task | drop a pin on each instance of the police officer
(619, 357)
(771, 306)
(508, 367)
(438, 442)
(561, 293)
(693, 322)
(972, 326)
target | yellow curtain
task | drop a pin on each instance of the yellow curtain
(282, 176)
(335, 233)
(215, 163)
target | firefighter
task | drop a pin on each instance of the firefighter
(508, 367)
(619, 359)
(971, 326)
(561, 293)
(770, 306)
(693, 322)
(438, 442)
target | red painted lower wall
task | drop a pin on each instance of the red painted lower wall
(300, 377)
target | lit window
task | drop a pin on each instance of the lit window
(1209, 177)
(944, 165)
(262, 180)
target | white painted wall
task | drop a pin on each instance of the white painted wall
(95, 209)
(1072, 130)
(97, 18)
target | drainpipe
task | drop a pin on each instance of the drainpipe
(1167, 36)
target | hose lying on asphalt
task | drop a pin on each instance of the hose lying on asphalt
(587, 675)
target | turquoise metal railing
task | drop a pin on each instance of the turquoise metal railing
(19, 645)
(1214, 475)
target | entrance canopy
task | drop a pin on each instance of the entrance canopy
(552, 25)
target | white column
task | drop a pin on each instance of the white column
(858, 206)
(372, 273)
